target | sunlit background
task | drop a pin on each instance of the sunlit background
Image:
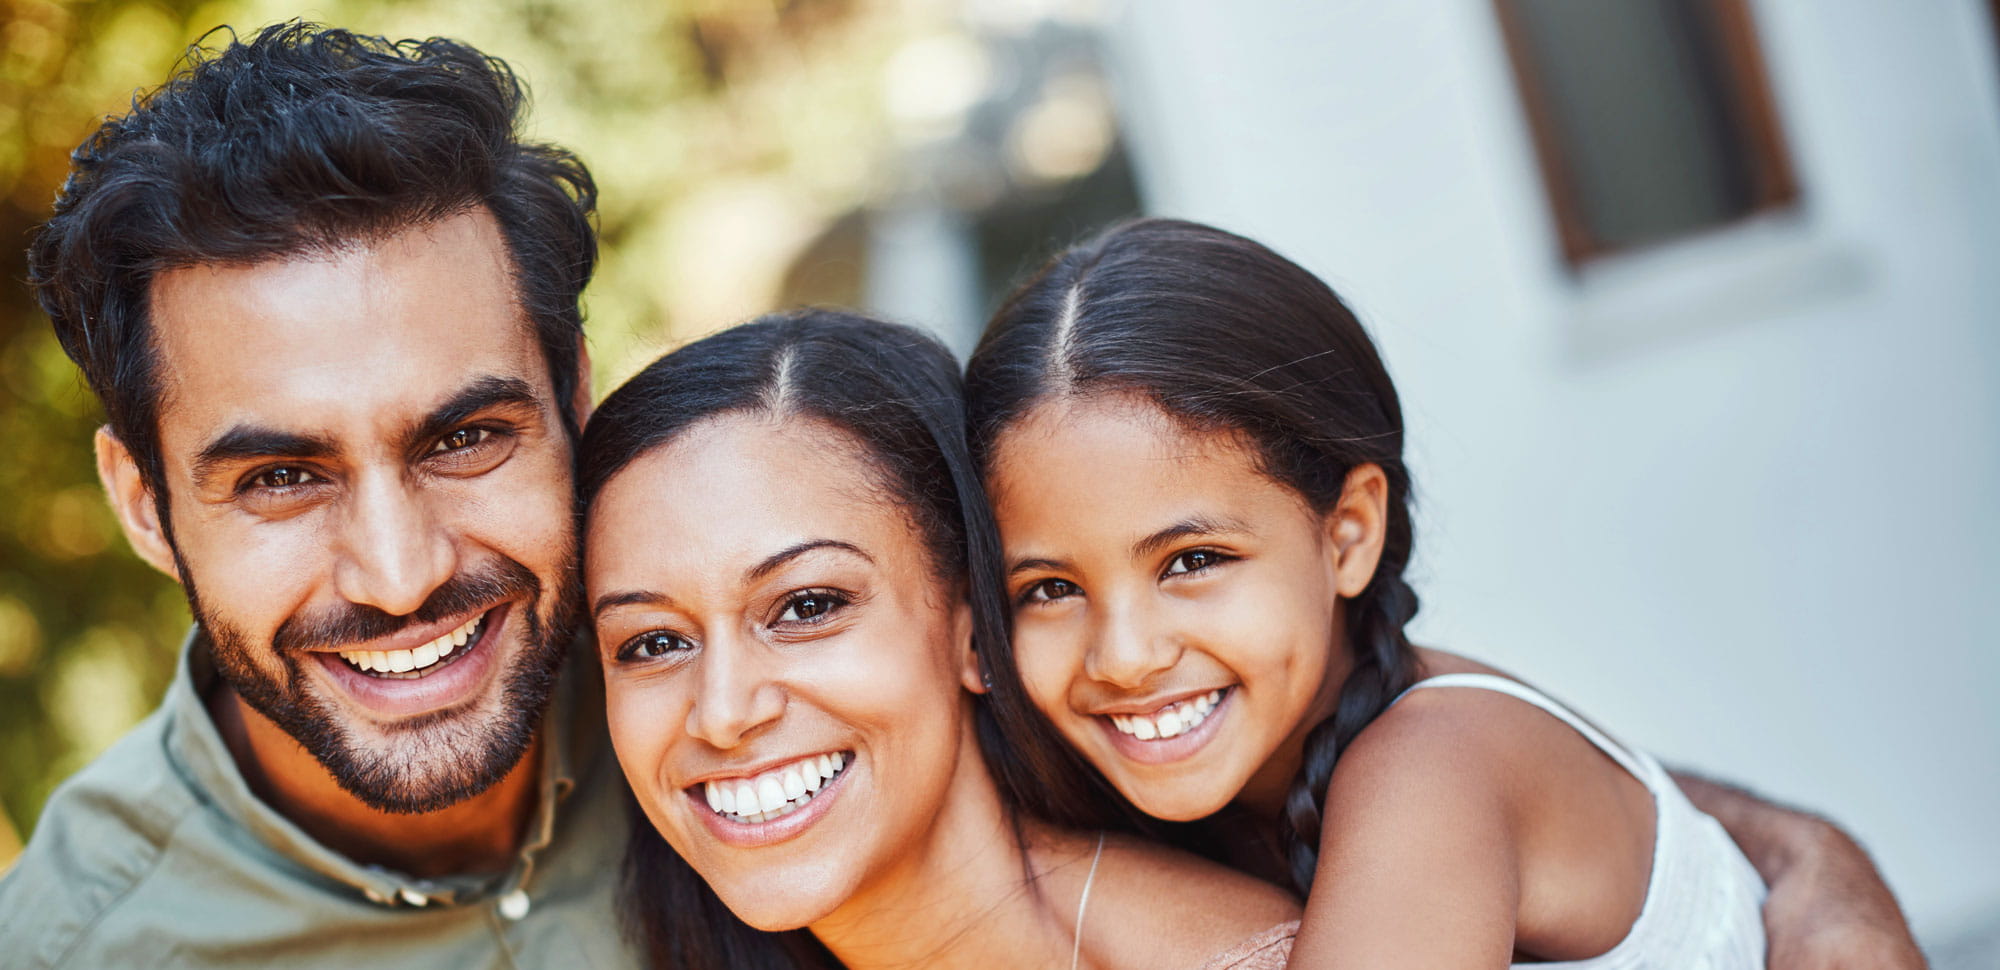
(1694, 306)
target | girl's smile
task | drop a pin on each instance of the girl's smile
(1176, 610)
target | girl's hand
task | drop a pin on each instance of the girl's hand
(1827, 908)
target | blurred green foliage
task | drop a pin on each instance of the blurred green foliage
(725, 136)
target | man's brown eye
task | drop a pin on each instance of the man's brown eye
(282, 478)
(460, 439)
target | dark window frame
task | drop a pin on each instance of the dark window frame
(1752, 108)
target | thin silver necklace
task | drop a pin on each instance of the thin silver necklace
(1076, 951)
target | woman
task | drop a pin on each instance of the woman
(791, 570)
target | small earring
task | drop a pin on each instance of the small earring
(986, 679)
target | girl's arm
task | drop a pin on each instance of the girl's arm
(1464, 826)
(1416, 864)
(1827, 908)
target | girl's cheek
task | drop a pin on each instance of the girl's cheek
(1043, 667)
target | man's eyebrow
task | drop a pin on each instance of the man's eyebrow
(246, 442)
(1193, 525)
(773, 561)
(482, 393)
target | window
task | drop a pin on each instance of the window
(1652, 119)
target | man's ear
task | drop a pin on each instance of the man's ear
(133, 503)
(970, 674)
(1357, 527)
(580, 398)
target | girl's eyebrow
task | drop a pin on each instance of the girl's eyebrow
(1030, 565)
(1193, 525)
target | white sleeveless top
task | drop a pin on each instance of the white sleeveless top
(1704, 903)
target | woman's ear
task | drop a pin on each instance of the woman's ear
(1357, 526)
(132, 502)
(971, 673)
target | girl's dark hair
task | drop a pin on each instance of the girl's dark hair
(302, 139)
(899, 394)
(1226, 336)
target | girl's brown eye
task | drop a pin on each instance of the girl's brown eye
(1194, 560)
(1050, 589)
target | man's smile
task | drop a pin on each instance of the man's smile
(445, 672)
(419, 661)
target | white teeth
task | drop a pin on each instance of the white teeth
(770, 794)
(775, 793)
(1171, 721)
(404, 661)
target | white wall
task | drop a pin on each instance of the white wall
(1736, 499)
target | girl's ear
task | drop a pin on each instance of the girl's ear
(970, 674)
(1357, 526)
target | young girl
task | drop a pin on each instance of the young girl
(1195, 455)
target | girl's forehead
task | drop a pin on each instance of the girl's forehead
(1113, 463)
(1108, 425)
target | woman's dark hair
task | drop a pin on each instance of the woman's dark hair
(898, 393)
(303, 139)
(1226, 336)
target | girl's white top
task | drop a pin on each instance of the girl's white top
(1704, 904)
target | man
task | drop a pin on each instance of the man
(329, 301)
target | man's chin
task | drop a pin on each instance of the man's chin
(415, 770)
(422, 762)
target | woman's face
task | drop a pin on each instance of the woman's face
(782, 665)
(1175, 610)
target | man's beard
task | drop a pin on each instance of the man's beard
(434, 760)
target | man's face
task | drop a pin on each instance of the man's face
(369, 493)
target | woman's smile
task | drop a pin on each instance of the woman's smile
(774, 804)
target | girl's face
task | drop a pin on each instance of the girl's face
(1176, 612)
(782, 665)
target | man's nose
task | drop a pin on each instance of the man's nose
(1129, 647)
(736, 692)
(394, 552)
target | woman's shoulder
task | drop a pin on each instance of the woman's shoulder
(1154, 906)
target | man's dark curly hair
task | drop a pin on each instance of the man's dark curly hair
(305, 138)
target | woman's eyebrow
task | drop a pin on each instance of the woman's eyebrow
(634, 597)
(777, 559)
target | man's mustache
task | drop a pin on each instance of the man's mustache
(358, 623)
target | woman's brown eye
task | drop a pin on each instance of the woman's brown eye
(654, 644)
(1052, 589)
(811, 607)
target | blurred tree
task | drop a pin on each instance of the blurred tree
(725, 135)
